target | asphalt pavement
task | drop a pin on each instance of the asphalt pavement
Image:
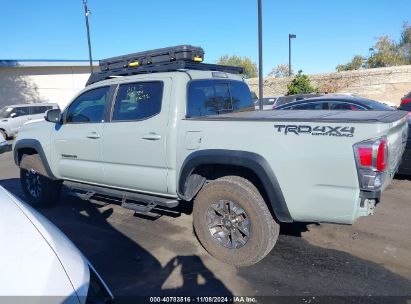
(158, 254)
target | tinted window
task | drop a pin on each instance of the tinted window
(310, 106)
(40, 109)
(375, 105)
(20, 111)
(344, 106)
(210, 97)
(137, 101)
(88, 107)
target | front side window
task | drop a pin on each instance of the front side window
(20, 111)
(88, 107)
(138, 101)
(210, 97)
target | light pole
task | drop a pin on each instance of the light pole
(260, 55)
(87, 13)
(290, 36)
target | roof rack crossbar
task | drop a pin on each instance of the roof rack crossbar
(177, 65)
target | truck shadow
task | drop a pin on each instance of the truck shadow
(128, 268)
(293, 268)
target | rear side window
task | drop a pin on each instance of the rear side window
(344, 106)
(211, 97)
(138, 101)
(40, 109)
(311, 106)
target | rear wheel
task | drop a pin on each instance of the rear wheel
(232, 221)
(39, 190)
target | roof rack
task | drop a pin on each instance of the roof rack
(177, 58)
(178, 65)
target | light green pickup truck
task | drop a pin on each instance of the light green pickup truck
(191, 136)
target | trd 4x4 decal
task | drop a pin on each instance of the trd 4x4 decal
(338, 131)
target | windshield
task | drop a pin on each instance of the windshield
(5, 112)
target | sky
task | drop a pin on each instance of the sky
(329, 32)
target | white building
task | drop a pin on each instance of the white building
(29, 81)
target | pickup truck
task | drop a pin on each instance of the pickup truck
(190, 135)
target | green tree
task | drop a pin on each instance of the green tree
(387, 53)
(280, 70)
(355, 64)
(300, 85)
(405, 41)
(250, 67)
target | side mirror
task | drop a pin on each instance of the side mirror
(53, 116)
(13, 115)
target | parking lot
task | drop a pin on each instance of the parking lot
(159, 254)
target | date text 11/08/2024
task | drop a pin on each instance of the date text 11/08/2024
(236, 299)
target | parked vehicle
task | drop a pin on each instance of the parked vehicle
(3, 144)
(181, 131)
(405, 167)
(406, 102)
(38, 260)
(291, 98)
(336, 102)
(14, 116)
(268, 103)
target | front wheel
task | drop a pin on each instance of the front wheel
(39, 190)
(233, 222)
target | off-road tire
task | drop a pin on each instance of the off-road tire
(49, 190)
(264, 230)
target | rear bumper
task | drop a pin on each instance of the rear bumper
(368, 201)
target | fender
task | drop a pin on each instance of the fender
(35, 145)
(249, 160)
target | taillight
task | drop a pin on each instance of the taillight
(405, 100)
(365, 156)
(381, 163)
(371, 159)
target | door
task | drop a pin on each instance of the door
(76, 144)
(134, 142)
(17, 118)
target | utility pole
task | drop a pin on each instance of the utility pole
(290, 36)
(260, 55)
(87, 13)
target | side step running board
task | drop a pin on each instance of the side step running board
(130, 200)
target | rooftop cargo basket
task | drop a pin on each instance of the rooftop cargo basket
(182, 57)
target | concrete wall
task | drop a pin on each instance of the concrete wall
(382, 84)
(41, 84)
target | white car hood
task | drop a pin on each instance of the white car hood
(36, 258)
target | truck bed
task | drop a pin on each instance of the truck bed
(332, 116)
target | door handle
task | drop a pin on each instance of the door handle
(93, 135)
(152, 136)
